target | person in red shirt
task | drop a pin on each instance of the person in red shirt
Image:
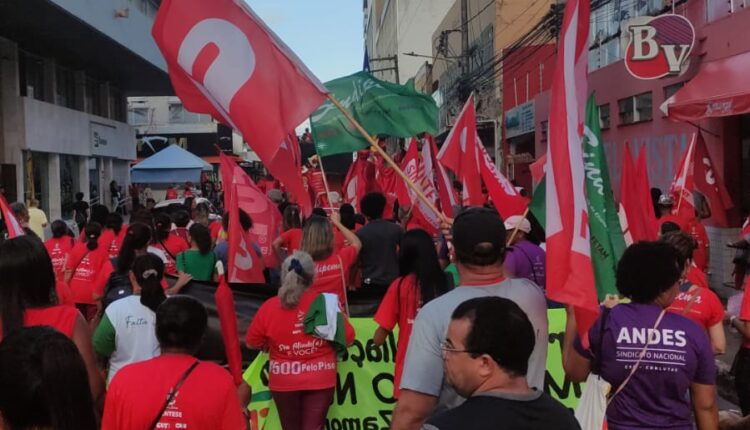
(171, 193)
(332, 267)
(421, 280)
(302, 372)
(27, 298)
(695, 300)
(702, 257)
(113, 234)
(170, 244)
(188, 191)
(41, 363)
(198, 394)
(741, 323)
(291, 238)
(59, 246)
(86, 272)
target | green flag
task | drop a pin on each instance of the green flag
(380, 107)
(537, 206)
(607, 240)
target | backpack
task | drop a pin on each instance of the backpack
(118, 286)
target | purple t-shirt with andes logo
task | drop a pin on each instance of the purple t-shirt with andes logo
(658, 394)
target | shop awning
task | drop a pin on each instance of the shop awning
(721, 88)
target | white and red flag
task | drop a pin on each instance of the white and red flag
(459, 155)
(446, 193)
(416, 170)
(683, 185)
(568, 246)
(504, 195)
(360, 179)
(224, 61)
(286, 166)
(11, 222)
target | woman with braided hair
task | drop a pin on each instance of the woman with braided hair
(302, 373)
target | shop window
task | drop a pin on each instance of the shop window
(635, 109)
(671, 90)
(604, 117)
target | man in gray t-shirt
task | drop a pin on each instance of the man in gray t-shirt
(479, 243)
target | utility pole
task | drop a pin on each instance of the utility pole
(465, 36)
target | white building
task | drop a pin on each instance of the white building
(66, 69)
(394, 28)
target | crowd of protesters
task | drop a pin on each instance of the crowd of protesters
(469, 302)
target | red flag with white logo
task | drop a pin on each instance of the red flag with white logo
(224, 61)
(568, 246)
(286, 166)
(244, 263)
(12, 225)
(448, 198)
(708, 181)
(414, 168)
(504, 195)
(458, 154)
(683, 184)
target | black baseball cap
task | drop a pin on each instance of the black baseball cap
(477, 226)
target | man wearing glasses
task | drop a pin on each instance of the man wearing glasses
(479, 245)
(486, 355)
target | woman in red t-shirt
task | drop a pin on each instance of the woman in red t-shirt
(331, 266)
(59, 246)
(695, 301)
(86, 272)
(169, 243)
(113, 234)
(28, 298)
(421, 280)
(302, 371)
(291, 238)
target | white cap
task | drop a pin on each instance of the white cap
(516, 220)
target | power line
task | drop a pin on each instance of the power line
(492, 2)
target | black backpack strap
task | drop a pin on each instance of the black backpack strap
(173, 392)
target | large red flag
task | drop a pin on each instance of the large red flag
(568, 246)
(229, 332)
(446, 193)
(645, 204)
(244, 264)
(708, 181)
(286, 167)
(360, 179)
(504, 195)
(391, 185)
(633, 217)
(458, 154)
(11, 223)
(414, 168)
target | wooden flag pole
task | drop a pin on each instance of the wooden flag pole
(375, 147)
(518, 225)
(690, 155)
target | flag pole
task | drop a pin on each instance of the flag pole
(325, 182)
(690, 155)
(375, 147)
(518, 225)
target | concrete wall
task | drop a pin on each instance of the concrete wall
(159, 120)
(133, 32)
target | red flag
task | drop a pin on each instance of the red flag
(458, 155)
(224, 61)
(709, 183)
(537, 170)
(360, 179)
(229, 332)
(414, 168)
(632, 216)
(645, 204)
(683, 184)
(11, 223)
(244, 264)
(286, 167)
(568, 246)
(391, 185)
(503, 194)
(446, 193)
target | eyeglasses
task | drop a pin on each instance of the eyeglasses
(448, 348)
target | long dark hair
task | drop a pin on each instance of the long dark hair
(59, 229)
(149, 271)
(93, 230)
(43, 382)
(137, 237)
(292, 217)
(99, 214)
(28, 280)
(200, 234)
(417, 256)
(162, 227)
(114, 222)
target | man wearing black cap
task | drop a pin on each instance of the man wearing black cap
(479, 244)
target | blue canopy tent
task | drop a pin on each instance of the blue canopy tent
(169, 166)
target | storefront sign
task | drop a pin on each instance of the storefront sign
(519, 120)
(102, 139)
(658, 46)
(363, 398)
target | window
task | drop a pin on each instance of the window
(635, 109)
(31, 74)
(176, 112)
(66, 87)
(117, 105)
(94, 103)
(138, 116)
(670, 90)
(604, 116)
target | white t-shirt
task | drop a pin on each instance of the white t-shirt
(135, 333)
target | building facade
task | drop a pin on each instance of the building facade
(67, 69)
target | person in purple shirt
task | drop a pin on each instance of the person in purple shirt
(523, 258)
(673, 385)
